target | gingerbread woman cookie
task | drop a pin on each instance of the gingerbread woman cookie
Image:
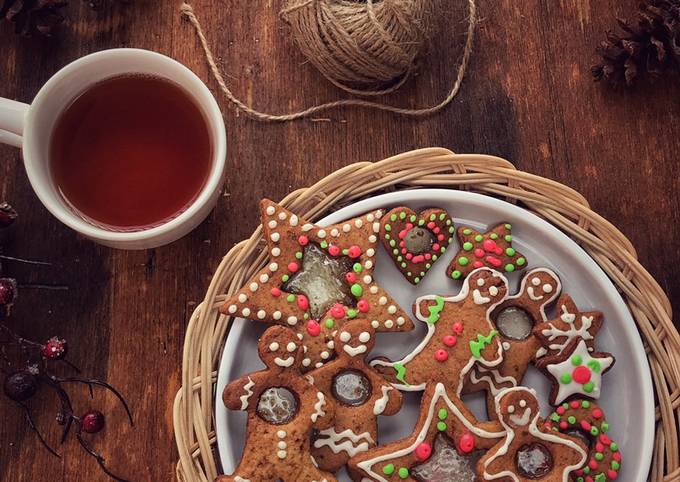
(459, 336)
(317, 278)
(445, 444)
(575, 371)
(529, 451)
(569, 324)
(492, 249)
(584, 419)
(283, 407)
(360, 394)
(416, 241)
(514, 319)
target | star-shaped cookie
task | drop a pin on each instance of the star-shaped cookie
(317, 278)
(492, 249)
(570, 323)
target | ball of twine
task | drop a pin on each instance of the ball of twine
(361, 46)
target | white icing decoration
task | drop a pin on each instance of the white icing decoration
(375, 324)
(282, 445)
(253, 286)
(318, 365)
(345, 336)
(439, 393)
(240, 479)
(284, 362)
(281, 454)
(321, 233)
(276, 252)
(293, 220)
(346, 228)
(372, 238)
(270, 210)
(354, 351)
(536, 281)
(493, 291)
(364, 336)
(232, 309)
(273, 267)
(382, 300)
(273, 346)
(370, 217)
(264, 278)
(245, 312)
(547, 288)
(307, 227)
(282, 216)
(553, 332)
(242, 298)
(381, 403)
(532, 296)
(318, 407)
(567, 389)
(391, 309)
(272, 224)
(325, 355)
(511, 409)
(481, 282)
(373, 289)
(281, 434)
(368, 264)
(368, 280)
(249, 392)
(291, 347)
(492, 378)
(400, 320)
(276, 315)
(354, 444)
(306, 362)
(389, 324)
(275, 237)
(292, 320)
(358, 223)
(479, 299)
(524, 419)
(376, 227)
(261, 314)
(370, 252)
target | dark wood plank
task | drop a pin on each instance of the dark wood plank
(527, 97)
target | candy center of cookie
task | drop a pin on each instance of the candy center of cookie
(351, 387)
(322, 280)
(418, 240)
(533, 461)
(445, 464)
(514, 323)
(277, 405)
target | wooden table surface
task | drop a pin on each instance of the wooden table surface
(528, 97)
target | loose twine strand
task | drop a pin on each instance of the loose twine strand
(188, 12)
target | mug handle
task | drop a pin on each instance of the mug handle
(12, 115)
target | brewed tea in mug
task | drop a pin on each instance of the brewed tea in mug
(131, 152)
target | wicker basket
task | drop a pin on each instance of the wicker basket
(556, 203)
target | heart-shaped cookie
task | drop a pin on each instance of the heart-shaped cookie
(416, 241)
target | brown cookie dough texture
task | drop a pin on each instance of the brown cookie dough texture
(416, 241)
(283, 407)
(459, 336)
(529, 451)
(317, 279)
(360, 395)
(515, 319)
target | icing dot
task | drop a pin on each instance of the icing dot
(276, 315)
(281, 445)
(382, 300)
(292, 320)
(281, 454)
(368, 279)
(273, 267)
(232, 309)
(272, 224)
(481, 282)
(306, 362)
(401, 321)
(325, 355)
(346, 228)
(368, 264)
(370, 217)
(321, 233)
(547, 288)
(375, 324)
(245, 312)
(372, 238)
(345, 336)
(391, 309)
(373, 289)
(358, 223)
(261, 314)
(276, 252)
(270, 210)
(242, 298)
(253, 287)
(364, 337)
(291, 347)
(264, 278)
(281, 434)
(273, 346)
(275, 237)
(493, 291)
(293, 220)
(536, 281)
(307, 227)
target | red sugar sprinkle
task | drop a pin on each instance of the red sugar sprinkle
(402, 233)
(466, 444)
(597, 413)
(431, 225)
(409, 226)
(423, 451)
(351, 277)
(436, 230)
(564, 425)
(581, 374)
(313, 328)
(428, 256)
(489, 245)
(440, 237)
(441, 355)
(589, 479)
(418, 259)
(498, 251)
(578, 472)
(605, 439)
(303, 240)
(354, 251)
(435, 247)
(617, 456)
(403, 251)
(333, 250)
(302, 302)
(599, 447)
(560, 410)
(592, 464)
(276, 292)
(409, 256)
(493, 261)
(293, 267)
(586, 426)
(477, 264)
(450, 340)
(575, 404)
(362, 305)
(612, 474)
(402, 244)
(338, 311)
(458, 328)
(479, 253)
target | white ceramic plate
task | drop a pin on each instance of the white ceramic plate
(627, 395)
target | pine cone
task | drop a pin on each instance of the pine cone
(648, 47)
(33, 16)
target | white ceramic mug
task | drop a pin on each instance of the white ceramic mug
(30, 128)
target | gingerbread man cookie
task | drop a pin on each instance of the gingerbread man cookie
(283, 407)
(445, 444)
(459, 336)
(575, 371)
(317, 278)
(529, 451)
(360, 394)
(585, 420)
(416, 241)
(514, 319)
(569, 324)
(492, 249)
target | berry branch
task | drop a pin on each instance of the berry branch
(27, 367)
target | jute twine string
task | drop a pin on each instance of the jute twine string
(352, 58)
(556, 203)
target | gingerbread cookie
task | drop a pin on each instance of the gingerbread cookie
(360, 394)
(445, 444)
(514, 319)
(585, 420)
(492, 249)
(316, 280)
(459, 336)
(283, 406)
(529, 451)
(569, 324)
(575, 371)
(415, 241)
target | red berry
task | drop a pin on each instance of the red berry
(20, 386)
(8, 291)
(7, 215)
(55, 348)
(92, 421)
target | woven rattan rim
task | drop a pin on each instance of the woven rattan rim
(558, 204)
